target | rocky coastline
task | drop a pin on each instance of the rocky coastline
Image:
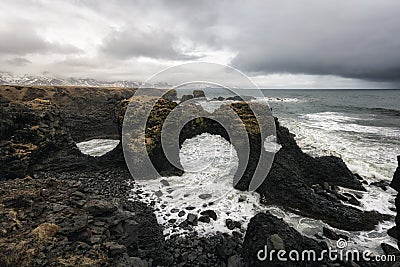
(60, 207)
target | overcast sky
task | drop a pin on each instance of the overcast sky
(282, 43)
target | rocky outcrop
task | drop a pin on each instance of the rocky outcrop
(88, 111)
(265, 233)
(33, 135)
(186, 98)
(184, 122)
(58, 223)
(198, 94)
(171, 95)
(395, 184)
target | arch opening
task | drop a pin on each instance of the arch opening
(97, 147)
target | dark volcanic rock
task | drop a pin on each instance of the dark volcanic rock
(332, 235)
(204, 218)
(186, 98)
(37, 135)
(392, 232)
(34, 136)
(99, 207)
(220, 98)
(209, 213)
(99, 233)
(382, 184)
(88, 108)
(181, 213)
(395, 184)
(216, 250)
(389, 250)
(171, 95)
(230, 224)
(205, 196)
(264, 227)
(192, 219)
(165, 182)
(198, 94)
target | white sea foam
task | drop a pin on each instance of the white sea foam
(330, 134)
(279, 99)
(337, 122)
(97, 147)
(210, 163)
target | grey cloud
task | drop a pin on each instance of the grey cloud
(357, 39)
(354, 38)
(18, 61)
(154, 43)
(18, 39)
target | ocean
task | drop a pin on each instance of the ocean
(360, 126)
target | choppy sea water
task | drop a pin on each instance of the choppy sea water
(360, 126)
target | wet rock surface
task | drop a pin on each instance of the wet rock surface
(395, 184)
(265, 228)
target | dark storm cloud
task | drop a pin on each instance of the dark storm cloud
(357, 39)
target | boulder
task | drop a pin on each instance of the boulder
(275, 242)
(186, 98)
(192, 219)
(99, 207)
(395, 184)
(209, 213)
(266, 230)
(198, 94)
(230, 224)
(171, 95)
(205, 196)
(204, 218)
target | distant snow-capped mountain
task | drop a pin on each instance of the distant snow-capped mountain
(11, 79)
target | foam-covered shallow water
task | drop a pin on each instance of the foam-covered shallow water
(210, 163)
(97, 147)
